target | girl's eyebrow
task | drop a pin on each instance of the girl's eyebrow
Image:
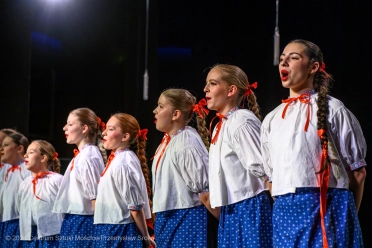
(291, 53)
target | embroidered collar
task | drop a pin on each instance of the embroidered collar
(121, 150)
(178, 131)
(231, 111)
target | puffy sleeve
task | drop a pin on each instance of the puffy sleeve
(348, 138)
(265, 152)
(193, 165)
(129, 182)
(246, 143)
(88, 173)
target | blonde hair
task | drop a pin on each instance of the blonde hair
(233, 75)
(184, 101)
(48, 150)
(87, 117)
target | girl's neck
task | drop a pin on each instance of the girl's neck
(296, 93)
(19, 159)
(176, 126)
(35, 173)
(82, 143)
(121, 147)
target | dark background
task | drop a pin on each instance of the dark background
(63, 54)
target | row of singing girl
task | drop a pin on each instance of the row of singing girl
(41, 208)
(311, 141)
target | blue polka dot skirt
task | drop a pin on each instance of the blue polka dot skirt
(181, 228)
(246, 223)
(76, 231)
(297, 222)
(44, 242)
(127, 235)
(11, 234)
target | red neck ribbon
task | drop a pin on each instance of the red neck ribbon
(218, 127)
(76, 152)
(304, 98)
(37, 177)
(166, 139)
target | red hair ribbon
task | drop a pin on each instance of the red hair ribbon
(143, 133)
(13, 168)
(323, 179)
(166, 139)
(248, 92)
(109, 160)
(304, 98)
(76, 152)
(55, 156)
(322, 69)
(218, 127)
(199, 108)
(101, 124)
(38, 176)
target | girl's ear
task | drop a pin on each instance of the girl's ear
(126, 137)
(176, 115)
(314, 67)
(232, 90)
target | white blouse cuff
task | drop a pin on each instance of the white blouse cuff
(358, 164)
(135, 207)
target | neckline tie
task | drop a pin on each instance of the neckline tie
(218, 127)
(304, 98)
(1, 165)
(13, 168)
(76, 152)
(110, 158)
(166, 139)
(37, 177)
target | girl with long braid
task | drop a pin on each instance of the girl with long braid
(180, 172)
(39, 227)
(238, 194)
(77, 195)
(122, 204)
(314, 152)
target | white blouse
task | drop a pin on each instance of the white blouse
(235, 164)
(3, 170)
(182, 173)
(9, 191)
(122, 188)
(292, 156)
(31, 209)
(79, 185)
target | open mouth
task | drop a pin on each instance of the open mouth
(207, 98)
(284, 74)
(156, 120)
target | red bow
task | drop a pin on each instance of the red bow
(143, 133)
(322, 69)
(34, 181)
(55, 156)
(76, 152)
(101, 124)
(199, 108)
(248, 92)
(1, 165)
(218, 127)
(12, 169)
(109, 160)
(304, 98)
